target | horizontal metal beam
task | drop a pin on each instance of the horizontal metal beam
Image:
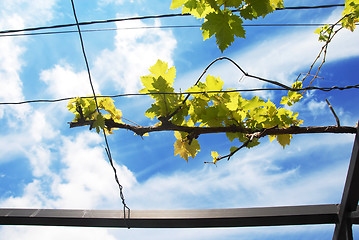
(236, 217)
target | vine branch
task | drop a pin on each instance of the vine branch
(324, 51)
(335, 115)
(258, 133)
(228, 156)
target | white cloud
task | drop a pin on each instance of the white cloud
(40, 159)
(27, 139)
(87, 180)
(106, 2)
(17, 14)
(63, 81)
(252, 178)
(21, 12)
(10, 65)
(317, 108)
(40, 127)
(34, 196)
(11, 145)
(136, 50)
(55, 233)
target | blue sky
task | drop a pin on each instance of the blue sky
(44, 164)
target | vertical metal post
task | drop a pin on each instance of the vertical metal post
(349, 203)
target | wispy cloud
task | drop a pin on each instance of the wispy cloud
(106, 2)
(253, 178)
(63, 81)
(72, 171)
(17, 14)
(135, 51)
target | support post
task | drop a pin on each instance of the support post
(349, 203)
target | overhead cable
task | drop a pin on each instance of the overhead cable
(325, 89)
(147, 17)
(162, 27)
(107, 148)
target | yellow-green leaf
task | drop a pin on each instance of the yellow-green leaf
(351, 11)
(215, 156)
(214, 84)
(99, 122)
(271, 137)
(177, 3)
(284, 139)
(183, 148)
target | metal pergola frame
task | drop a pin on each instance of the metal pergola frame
(343, 215)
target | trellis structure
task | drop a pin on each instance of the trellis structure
(343, 215)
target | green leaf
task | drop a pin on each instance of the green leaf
(232, 149)
(153, 111)
(99, 122)
(161, 81)
(159, 68)
(255, 102)
(147, 83)
(224, 25)
(197, 8)
(177, 3)
(215, 4)
(232, 3)
(183, 148)
(271, 137)
(324, 33)
(253, 143)
(285, 101)
(215, 156)
(261, 8)
(214, 84)
(293, 96)
(71, 106)
(351, 11)
(284, 139)
(277, 3)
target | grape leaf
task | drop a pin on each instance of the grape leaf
(271, 137)
(277, 3)
(215, 156)
(232, 149)
(184, 149)
(177, 3)
(224, 25)
(232, 3)
(99, 122)
(197, 8)
(214, 84)
(351, 10)
(284, 139)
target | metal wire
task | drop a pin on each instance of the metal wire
(107, 148)
(147, 17)
(325, 89)
(163, 27)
